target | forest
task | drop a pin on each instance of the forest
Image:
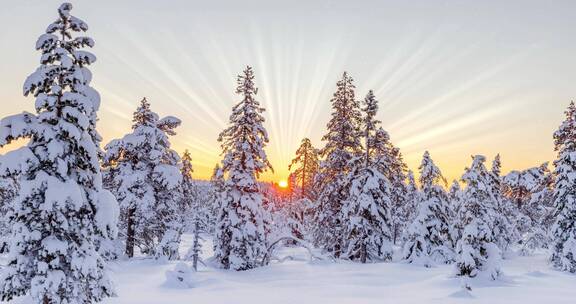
(76, 211)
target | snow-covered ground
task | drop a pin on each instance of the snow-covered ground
(527, 280)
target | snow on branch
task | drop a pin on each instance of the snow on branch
(16, 127)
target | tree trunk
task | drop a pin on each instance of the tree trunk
(303, 190)
(195, 246)
(363, 254)
(130, 234)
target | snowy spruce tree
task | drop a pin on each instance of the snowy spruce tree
(240, 240)
(343, 145)
(455, 197)
(564, 231)
(504, 214)
(144, 173)
(192, 212)
(61, 212)
(392, 165)
(477, 252)
(531, 192)
(407, 211)
(366, 211)
(189, 200)
(196, 248)
(538, 212)
(214, 197)
(305, 165)
(429, 235)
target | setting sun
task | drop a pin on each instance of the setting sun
(283, 184)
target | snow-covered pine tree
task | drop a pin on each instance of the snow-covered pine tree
(455, 195)
(412, 188)
(342, 146)
(477, 252)
(392, 165)
(196, 248)
(307, 163)
(504, 229)
(563, 255)
(240, 240)
(430, 236)
(369, 125)
(193, 209)
(187, 187)
(145, 174)
(531, 191)
(518, 185)
(61, 211)
(366, 211)
(408, 211)
(367, 217)
(538, 212)
(496, 169)
(293, 186)
(195, 199)
(214, 197)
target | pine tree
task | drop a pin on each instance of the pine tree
(187, 187)
(307, 161)
(408, 210)
(537, 215)
(370, 124)
(193, 210)
(214, 197)
(366, 211)
(532, 192)
(517, 186)
(392, 165)
(342, 146)
(240, 240)
(477, 252)
(191, 204)
(145, 174)
(564, 231)
(61, 212)
(496, 166)
(196, 249)
(430, 235)
(504, 230)
(293, 186)
(455, 195)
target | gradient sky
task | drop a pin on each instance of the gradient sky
(453, 77)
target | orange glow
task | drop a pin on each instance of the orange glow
(283, 184)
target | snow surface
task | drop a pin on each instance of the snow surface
(526, 280)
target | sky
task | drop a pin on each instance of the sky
(456, 78)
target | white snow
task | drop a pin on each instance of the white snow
(107, 214)
(526, 280)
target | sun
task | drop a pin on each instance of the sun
(283, 184)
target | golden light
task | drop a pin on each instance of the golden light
(283, 184)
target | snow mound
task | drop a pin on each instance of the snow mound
(181, 277)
